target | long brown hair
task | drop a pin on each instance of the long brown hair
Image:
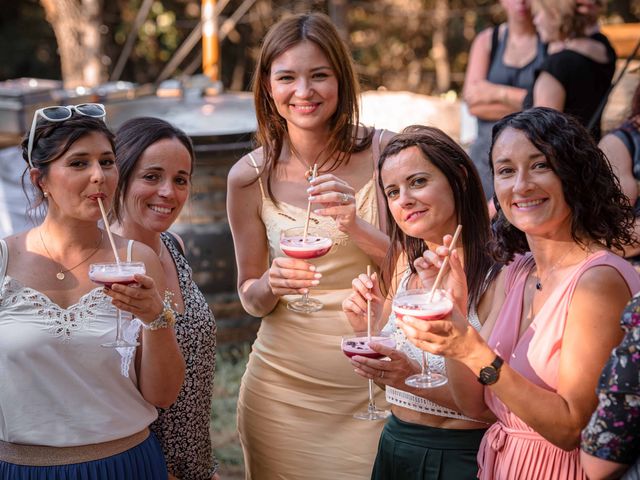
(272, 128)
(448, 157)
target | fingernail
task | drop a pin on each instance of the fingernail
(315, 282)
(310, 189)
(312, 268)
(310, 198)
(317, 275)
(305, 290)
(368, 296)
(369, 285)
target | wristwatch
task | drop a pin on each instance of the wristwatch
(490, 374)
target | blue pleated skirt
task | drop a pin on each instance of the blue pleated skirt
(142, 462)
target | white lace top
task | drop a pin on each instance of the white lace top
(436, 364)
(58, 386)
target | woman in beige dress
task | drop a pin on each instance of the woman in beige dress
(299, 392)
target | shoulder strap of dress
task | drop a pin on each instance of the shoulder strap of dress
(255, 165)
(4, 254)
(129, 250)
(495, 38)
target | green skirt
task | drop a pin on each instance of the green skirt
(410, 451)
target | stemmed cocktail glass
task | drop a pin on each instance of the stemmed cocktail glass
(109, 273)
(357, 343)
(296, 243)
(419, 303)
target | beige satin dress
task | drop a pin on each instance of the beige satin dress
(299, 391)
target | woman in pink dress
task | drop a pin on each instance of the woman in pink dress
(555, 320)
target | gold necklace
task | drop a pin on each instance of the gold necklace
(540, 280)
(60, 275)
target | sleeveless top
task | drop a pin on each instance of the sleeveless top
(584, 80)
(501, 74)
(436, 364)
(59, 387)
(183, 428)
(510, 448)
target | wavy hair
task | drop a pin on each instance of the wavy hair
(470, 206)
(573, 23)
(600, 210)
(272, 128)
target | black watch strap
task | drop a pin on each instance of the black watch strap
(490, 375)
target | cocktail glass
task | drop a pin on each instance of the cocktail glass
(416, 303)
(109, 273)
(294, 244)
(357, 343)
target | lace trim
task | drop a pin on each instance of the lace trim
(419, 404)
(60, 322)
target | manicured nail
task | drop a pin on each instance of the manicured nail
(317, 275)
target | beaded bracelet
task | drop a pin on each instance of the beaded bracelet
(167, 317)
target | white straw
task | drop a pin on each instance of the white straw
(445, 262)
(306, 222)
(106, 226)
(369, 307)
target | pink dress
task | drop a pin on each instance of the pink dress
(511, 449)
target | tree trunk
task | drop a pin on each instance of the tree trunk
(439, 51)
(77, 29)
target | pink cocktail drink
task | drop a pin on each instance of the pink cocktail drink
(360, 346)
(417, 304)
(422, 305)
(109, 273)
(305, 249)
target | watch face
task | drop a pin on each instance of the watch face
(488, 375)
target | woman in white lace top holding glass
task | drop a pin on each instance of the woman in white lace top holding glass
(431, 186)
(69, 407)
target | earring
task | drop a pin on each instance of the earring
(46, 194)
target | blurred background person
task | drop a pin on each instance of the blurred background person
(299, 394)
(622, 148)
(578, 71)
(501, 69)
(155, 161)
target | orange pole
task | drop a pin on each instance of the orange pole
(210, 41)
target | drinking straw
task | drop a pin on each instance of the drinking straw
(306, 222)
(106, 226)
(445, 262)
(369, 308)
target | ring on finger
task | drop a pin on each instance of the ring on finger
(344, 197)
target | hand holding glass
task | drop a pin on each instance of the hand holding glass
(123, 273)
(418, 304)
(357, 343)
(295, 244)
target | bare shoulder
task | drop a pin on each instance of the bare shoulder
(243, 171)
(603, 281)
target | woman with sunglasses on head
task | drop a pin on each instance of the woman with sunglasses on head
(538, 358)
(70, 407)
(298, 394)
(155, 161)
(431, 186)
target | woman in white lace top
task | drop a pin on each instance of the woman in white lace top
(69, 407)
(431, 186)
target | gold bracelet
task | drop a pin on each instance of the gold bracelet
(167, 317)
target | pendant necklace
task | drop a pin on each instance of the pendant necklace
(61, 274)
(541, 280)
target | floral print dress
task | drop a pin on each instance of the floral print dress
(614, 430)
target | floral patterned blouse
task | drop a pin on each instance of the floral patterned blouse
(183, 428)
(614, 430)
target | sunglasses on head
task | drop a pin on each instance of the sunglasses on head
(60, 113)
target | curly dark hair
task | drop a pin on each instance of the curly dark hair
(471, 208)
(600, 210)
